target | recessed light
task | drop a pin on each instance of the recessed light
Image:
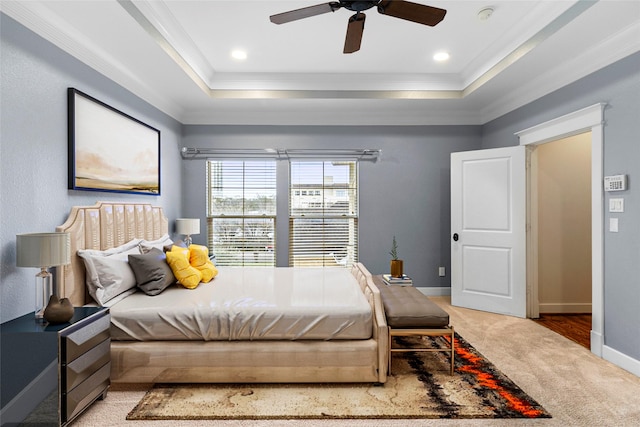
(239, 54)
(441, 56)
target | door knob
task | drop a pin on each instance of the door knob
(455, 237)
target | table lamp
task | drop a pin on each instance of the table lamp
(43, 250)
(188, 226)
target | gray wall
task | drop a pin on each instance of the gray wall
(619, 86)
(405, 193)
(33, 152)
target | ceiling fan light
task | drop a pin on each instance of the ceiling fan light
(441, 56)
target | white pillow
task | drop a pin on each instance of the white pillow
(108, 273)
(160, 243)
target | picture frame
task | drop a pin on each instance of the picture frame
(110, 150)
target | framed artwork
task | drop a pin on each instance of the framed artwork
(110, 150)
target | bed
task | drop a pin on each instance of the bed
(330, 343)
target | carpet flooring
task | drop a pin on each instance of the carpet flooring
(420, 387)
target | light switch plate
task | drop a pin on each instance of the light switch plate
(616, 205)
(613, 225)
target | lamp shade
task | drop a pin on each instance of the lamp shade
(43, 249)
(188, 226)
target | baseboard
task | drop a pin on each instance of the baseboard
(622, 360)
(596, 343)
(435, 291)
(565, 308)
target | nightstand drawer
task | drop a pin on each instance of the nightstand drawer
(81, 341)
(85, 365)
(85, 393)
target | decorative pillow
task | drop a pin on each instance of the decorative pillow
(153, 274)
(199, 258)
(108, 274)
(146, 245)
(170, 246)
(178, 260)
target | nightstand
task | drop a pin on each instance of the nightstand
(51, 373)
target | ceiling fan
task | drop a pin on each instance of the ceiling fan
(407, 10)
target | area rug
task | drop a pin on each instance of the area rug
(420, 387)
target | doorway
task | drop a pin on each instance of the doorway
(564, 225)
(588, 120)
(564, 236)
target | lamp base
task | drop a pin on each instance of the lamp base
(44, 290)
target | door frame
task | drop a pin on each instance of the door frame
(589, 119)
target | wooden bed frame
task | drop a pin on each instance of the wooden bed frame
(109, 224)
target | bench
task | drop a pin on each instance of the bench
(411, 313)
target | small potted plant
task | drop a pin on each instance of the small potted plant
(396, 264)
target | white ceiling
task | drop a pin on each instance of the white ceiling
(176, 55)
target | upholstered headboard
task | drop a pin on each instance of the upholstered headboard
(103, 226)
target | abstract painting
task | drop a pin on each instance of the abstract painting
(110, 150)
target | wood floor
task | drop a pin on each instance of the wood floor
(576, 327)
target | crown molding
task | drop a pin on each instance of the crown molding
(620, 45)
(327, 112)
(42, 21)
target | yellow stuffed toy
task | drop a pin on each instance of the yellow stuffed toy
(199, 258)
(187, 275)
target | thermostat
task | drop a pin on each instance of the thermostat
(615, 183)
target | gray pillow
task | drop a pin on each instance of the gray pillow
(153, 274)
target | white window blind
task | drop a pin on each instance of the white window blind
(323, 213)
(241, 211)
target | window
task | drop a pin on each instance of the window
(241, 211)
(323, 227)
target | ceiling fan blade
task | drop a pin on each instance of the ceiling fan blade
(305, 12)
(355, 28)
(419, 13)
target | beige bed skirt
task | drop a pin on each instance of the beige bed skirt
(246, 362)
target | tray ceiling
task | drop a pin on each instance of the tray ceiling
(177, 56)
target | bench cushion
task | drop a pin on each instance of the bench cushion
(407, 307)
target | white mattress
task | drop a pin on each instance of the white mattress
(250, 303)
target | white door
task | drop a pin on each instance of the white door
(488, 230)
